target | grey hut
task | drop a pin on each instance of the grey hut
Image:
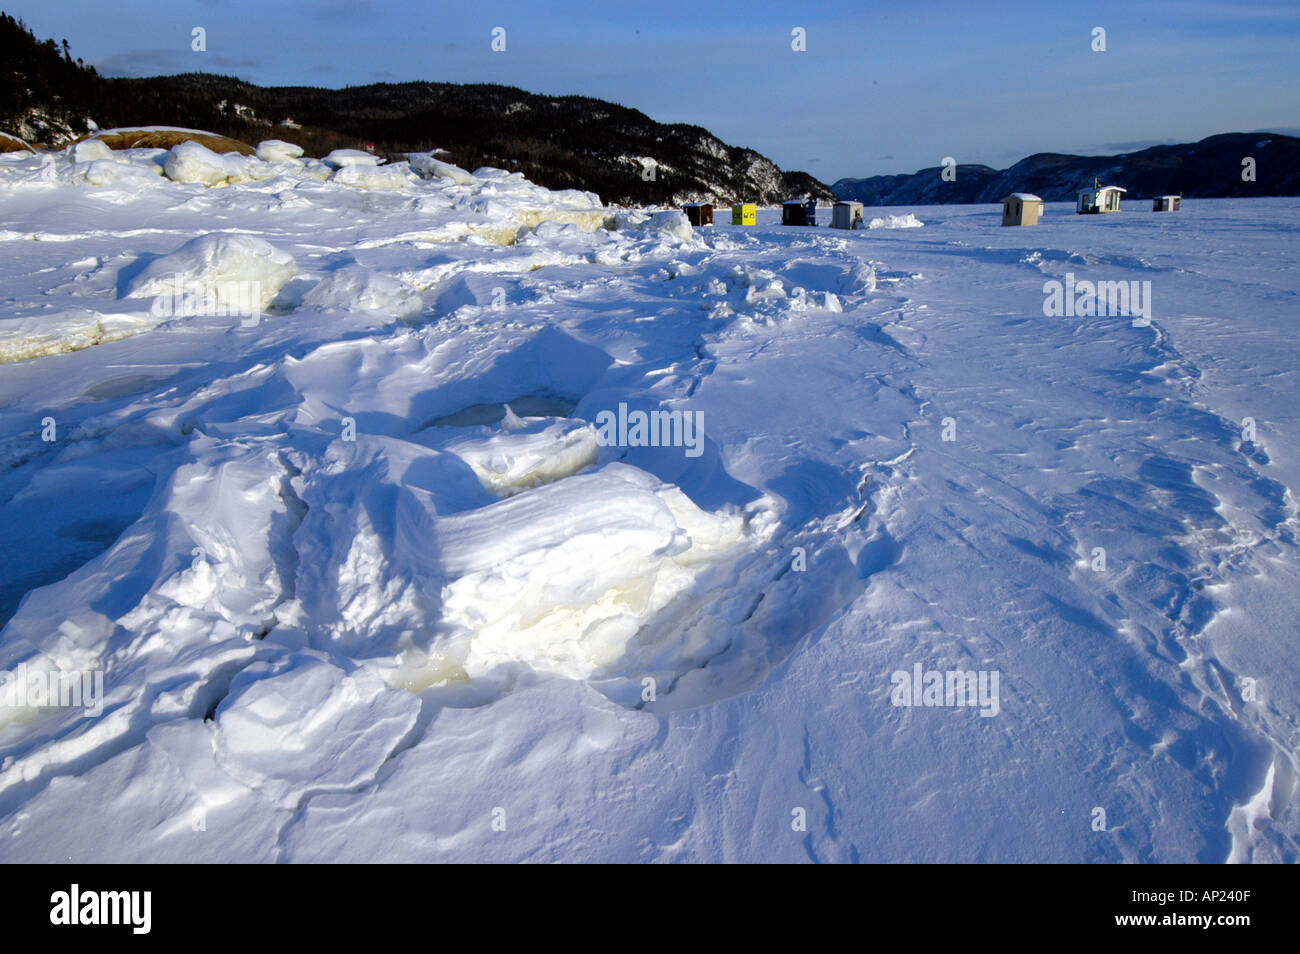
(799, 212)
(698, 213)
(1167, 203)
(846, 215)
(1021, 208)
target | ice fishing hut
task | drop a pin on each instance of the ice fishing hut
(698, 213)
(1099, 198)
(799, 212)
(846, 215)
(1167, 203)
(744, 214)
(1021, 208)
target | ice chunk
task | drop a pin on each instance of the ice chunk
(233, 269)
(426, 165)
(62, 331)
(511, 421)
(89, 150)
(315, 169)
(527, 453)
(246, 168)
(382, 178)
(277, 150)
(576, 577)
(673, 223)
(492, 173)
(340, 158)
(191, 162)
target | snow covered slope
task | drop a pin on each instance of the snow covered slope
(384, 566)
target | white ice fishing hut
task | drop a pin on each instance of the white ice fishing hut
(1099, 198)
(1021, 208)
(1167, 203)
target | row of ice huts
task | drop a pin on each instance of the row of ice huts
(1023, 208)
(1019, 208)
(844, 215)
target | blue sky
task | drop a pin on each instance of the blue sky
(882, 87)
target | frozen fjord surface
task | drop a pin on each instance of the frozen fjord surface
(394, 636)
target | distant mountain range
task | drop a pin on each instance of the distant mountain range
(560, 142)
(576, 142)
(1205, 169)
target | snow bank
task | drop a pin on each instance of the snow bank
(361, 289)
(905, 221)
(110, 172)
(227, 268)
(307, 725)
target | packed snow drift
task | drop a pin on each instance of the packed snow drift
(363, 511)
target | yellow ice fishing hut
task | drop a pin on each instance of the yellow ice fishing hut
(744, 214)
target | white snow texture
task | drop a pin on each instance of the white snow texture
(312, 463)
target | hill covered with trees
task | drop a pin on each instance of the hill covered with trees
(577, 142)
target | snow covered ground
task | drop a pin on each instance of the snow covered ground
(347, 606)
